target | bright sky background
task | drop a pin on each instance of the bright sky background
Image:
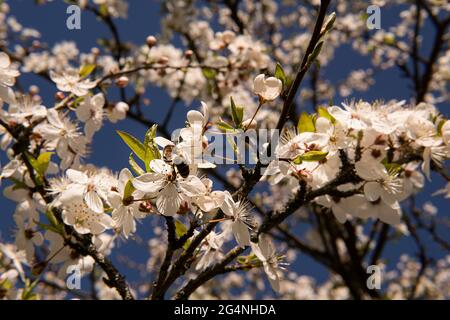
(109, 151)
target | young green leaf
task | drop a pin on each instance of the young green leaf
(279, 74)
(297, 160)
(323, 112)
(305, 123)
(313, 56)
(49, 227)
(151, 150)
(209, 73)
(86, 70)
(43, 161)
(39, 165)
(314, 155)
(440, 125)
(134, 166)
(129, 188)
(237, 113)
(52, 219)
(135, 145)
(222, 125)
(328, 25)
(391, 167)
(181, 230)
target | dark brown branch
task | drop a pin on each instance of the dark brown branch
(84, 245)
(208, 274)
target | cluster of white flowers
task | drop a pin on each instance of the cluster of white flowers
(358, 161)
(379, 141)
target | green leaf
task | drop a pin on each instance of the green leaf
(134, 166)
(135, 145)
(48, 227)
(279, 74)
(180, 230)
(389, 39)
(305, 123)
(129, 188)
(27, 293)
(53, 221)
(329, 22)
(18, 184)
(222, 125)
(440, 125)
(103, 9)
(39, 165)
(313, 56)
(6, 284)
(323, 112)
(297, 160)
(151, 150)
(237, 113)
(86, 70)
(42, 162)
(314, 155)
(209, 73)
(391, 167)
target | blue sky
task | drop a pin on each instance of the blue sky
(143, 20)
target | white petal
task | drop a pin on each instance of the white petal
(192, 186)
(241, 233)
(115, 199)
(77, 176)
(195, 118)
(93, 201)
(258, 84)
(125, 175)
(372, 191)
(159, 166)
(4, 60)
(168, 201)
(149, 182)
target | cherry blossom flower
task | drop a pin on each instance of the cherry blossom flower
(71, 81)
(380, 183)
(62, 135)
(76, 213)
(168, 187)
(265, 251)
(60, 253)
(91, 112)
(268, 89)
(211, 199)
(210, 251)
(8, 75)
(27, 237)
(242, 221)
(92, 186)
(126, 207)
(118, 112)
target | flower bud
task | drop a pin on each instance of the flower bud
(249, 124)
(95, 51)
(118, 112)
(163, 60)
(122, 82)
(36, 44)
(188, 54)
(151, 41)
(268, 89)
(60, 95)
(34, 90)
